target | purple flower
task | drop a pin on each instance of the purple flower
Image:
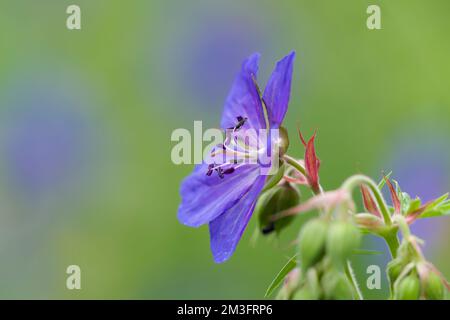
(224, 193)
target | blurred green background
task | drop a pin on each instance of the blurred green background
(86, 117)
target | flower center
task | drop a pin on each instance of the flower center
(244, 145)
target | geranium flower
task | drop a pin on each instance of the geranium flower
(223, 191)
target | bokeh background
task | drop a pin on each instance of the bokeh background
(86, 118)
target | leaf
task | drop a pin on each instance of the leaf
(383, 181)
(288, 267)
(405, 202)
(434, 214)
(446, 207)
(440, 200)
(404, 198)
(435, 208)
(414, 205)
(442, 209)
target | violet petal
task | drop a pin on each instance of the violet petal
(226, 230)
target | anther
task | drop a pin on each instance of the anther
(228, 171)
(220, 172)
(210, 170)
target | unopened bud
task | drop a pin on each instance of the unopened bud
(433, 287)
(409, 248)
(283, 143)
(369, 222)
(343, 237)
(279, 198)
(394, 269)
(336, 286)
(304, 293)
(310, 290)
(312, 242)
(408, 288)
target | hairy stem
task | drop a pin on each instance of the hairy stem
(302, 170)
(402, 225)
(355, 181)
(274, 179)
(295, 164)
(359, 179)
(393, 243)
(351, 276)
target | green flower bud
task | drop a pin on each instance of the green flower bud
(304, 293)
(336, 286)
(312, 280)
(433, 287)
(284, 140)
(408, 288)
(370, 222)
(312, 242)
(408, 249)
(394, 269)
(343, 238)
(275, 200)
(310, 290)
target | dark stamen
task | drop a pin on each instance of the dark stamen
(220, 172)
(228, 171)
(241, 121)
(210, 171)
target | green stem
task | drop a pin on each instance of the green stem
(274, 179)
(393, 243)
(295, 164)
(302, 170)
(402, 225)
(359, 179)
(406, 233)
(355, 181)
(351, 276)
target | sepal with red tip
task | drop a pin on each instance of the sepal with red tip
(369, 202)
(395, 200)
